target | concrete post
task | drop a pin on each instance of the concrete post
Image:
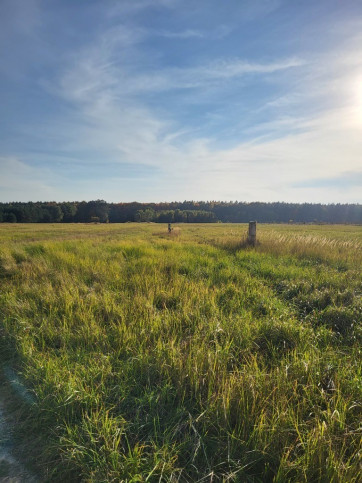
(252, 233)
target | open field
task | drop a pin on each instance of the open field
(184, 357)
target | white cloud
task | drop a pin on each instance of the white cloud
(119, 126)
(21, 182)
(103, 85)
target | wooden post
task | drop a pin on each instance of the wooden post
(252, 233)
(169, 228)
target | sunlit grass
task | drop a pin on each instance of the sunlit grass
(187, 357)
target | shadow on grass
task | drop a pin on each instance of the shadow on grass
(23, 439)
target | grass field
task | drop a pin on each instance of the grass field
(184, 357)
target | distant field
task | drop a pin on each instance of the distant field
(184, 357)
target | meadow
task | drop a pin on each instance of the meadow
(183, 357)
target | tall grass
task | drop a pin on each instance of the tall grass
(186, 358)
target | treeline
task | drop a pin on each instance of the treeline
(185, 212)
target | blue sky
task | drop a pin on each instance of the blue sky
(160, 100)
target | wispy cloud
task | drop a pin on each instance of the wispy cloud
(203, 75)
(18, 180)
(119, 126)
(185, 34)
(128, 7)
(129, 119)
(115, 123)
(342, 181)
(95, 73)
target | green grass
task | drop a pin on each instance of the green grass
(188, 357)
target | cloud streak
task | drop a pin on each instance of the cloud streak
(343, 181)
(115, 124)
(185, 34)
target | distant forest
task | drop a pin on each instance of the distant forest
(99, 211)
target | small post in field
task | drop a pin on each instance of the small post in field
(169, 228)
(252, 233)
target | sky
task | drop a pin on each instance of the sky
(162, 100)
